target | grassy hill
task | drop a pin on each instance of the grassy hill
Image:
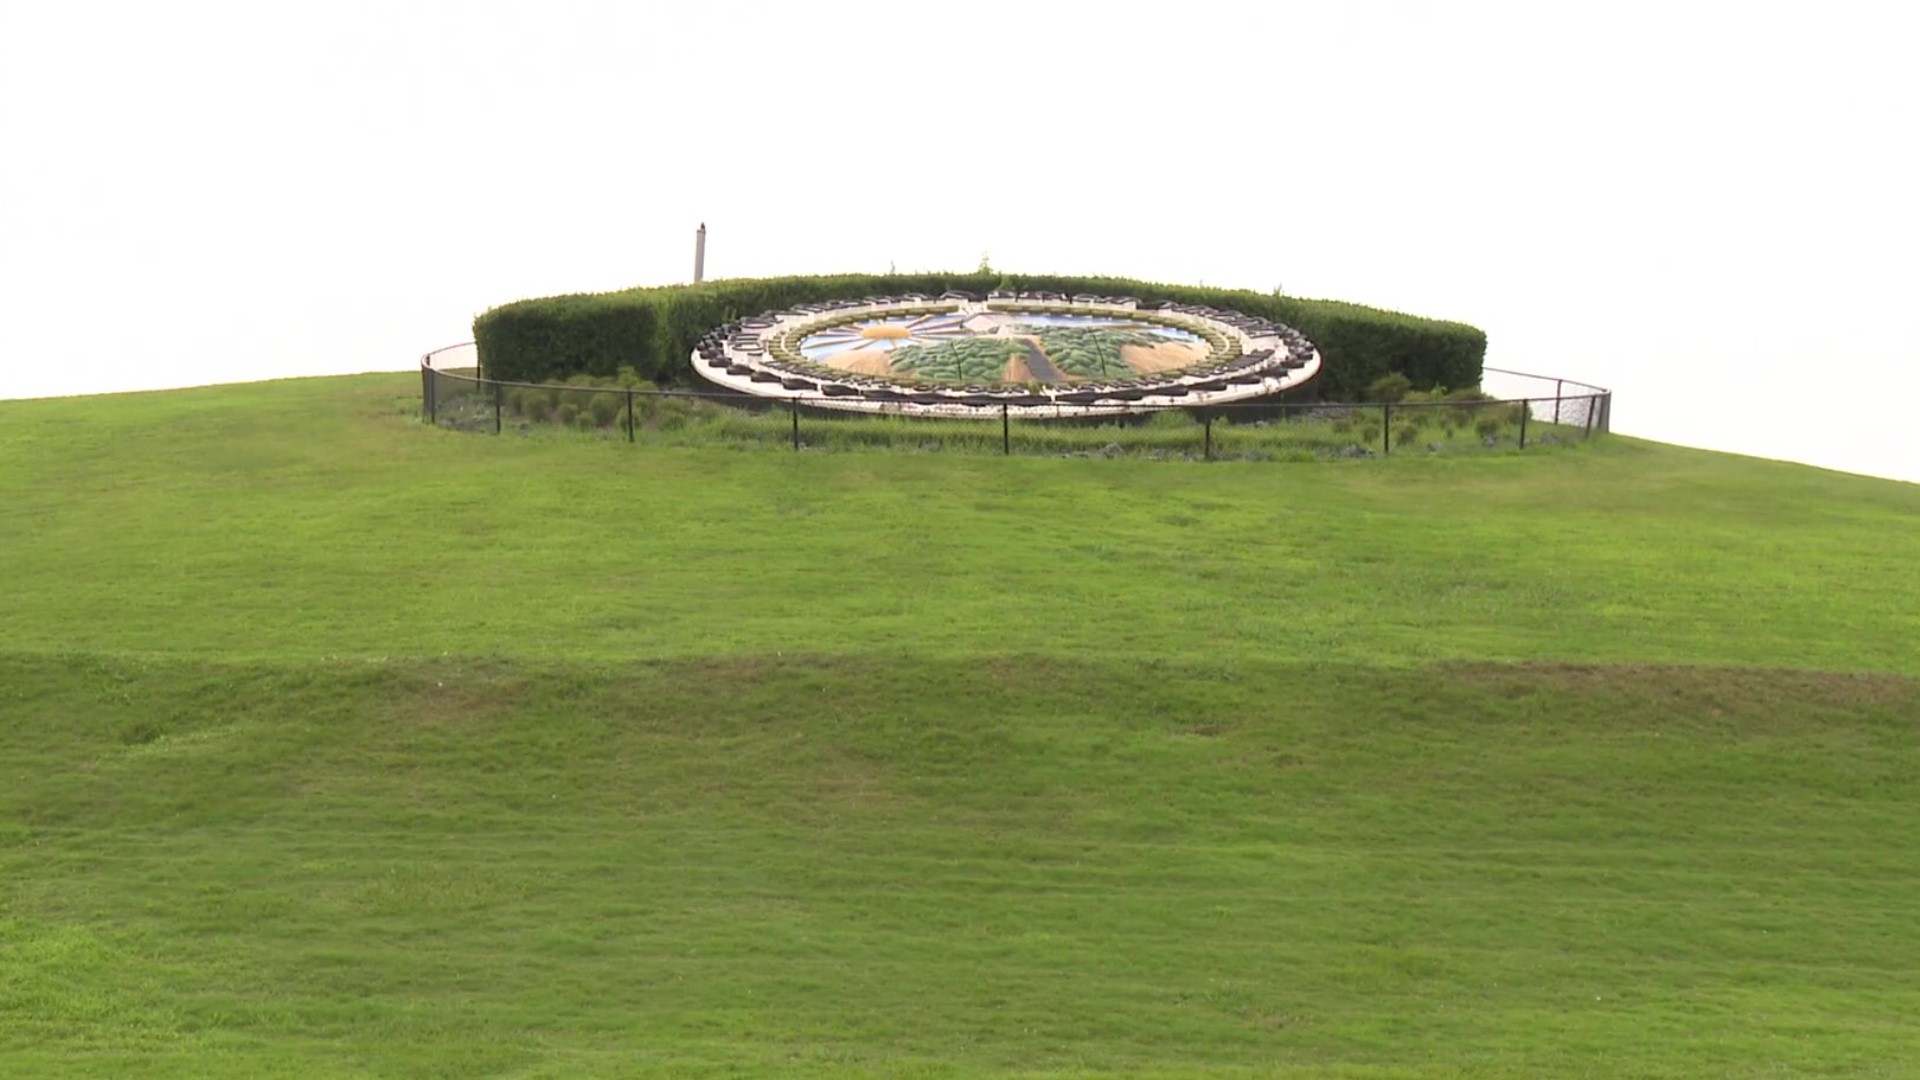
(335, 746)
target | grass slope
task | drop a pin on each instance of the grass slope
(312, 518)
(331, 745)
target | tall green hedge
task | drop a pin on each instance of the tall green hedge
(654, 329)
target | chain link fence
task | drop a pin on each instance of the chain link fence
(1512, 411)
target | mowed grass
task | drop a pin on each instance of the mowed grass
(335, 746)
(316, 518)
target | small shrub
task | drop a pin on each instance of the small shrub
(535, 406)
(565, 412)
(1465, 405)
(673, 413)
(1488, 427)
(604, 409)
(1390, 387)
(1370, 434)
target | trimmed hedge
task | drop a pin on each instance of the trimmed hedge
(653, 330)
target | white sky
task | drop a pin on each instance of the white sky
(1709, 208)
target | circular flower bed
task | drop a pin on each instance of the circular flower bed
(1029, 354)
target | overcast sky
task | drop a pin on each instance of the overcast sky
(1709, 208)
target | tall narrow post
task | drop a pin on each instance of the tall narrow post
(793, 405)
(1593, 406)
(700, 254)
(629, 414)
(1386, 430)
(1006, 431)
(499, 405)
(1206, 453)
(1526, 409)
(1558, 386)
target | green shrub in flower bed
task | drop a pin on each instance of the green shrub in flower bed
(582, 400)
(605, 408)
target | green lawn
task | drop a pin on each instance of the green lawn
(332, 745)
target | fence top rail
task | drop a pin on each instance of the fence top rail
(1589, 388)
(426, 358)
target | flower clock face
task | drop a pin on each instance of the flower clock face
(1031, 353)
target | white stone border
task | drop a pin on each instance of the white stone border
(730, 356)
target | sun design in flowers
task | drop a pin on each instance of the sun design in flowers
(868, 347)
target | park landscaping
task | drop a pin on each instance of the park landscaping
(603, 408)
(335, 744)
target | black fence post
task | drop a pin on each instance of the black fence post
(499, 406)
(426, 387)
(1558, 386)
(1525, 410)
(793, 406)
(1386, 430)
(1006, 431)
(1593, 406)
(1206, 452)
(433, 397)
(629, 414)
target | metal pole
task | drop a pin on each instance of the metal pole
(1386, 430)
(1525, 409)
(499, 403)
(1558, 385)
(1206, 453)
(629, 414)
(433, 399)
(1593, 406)
(793, 405)
(700, 254)
(1006, 431)
(426, 387)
